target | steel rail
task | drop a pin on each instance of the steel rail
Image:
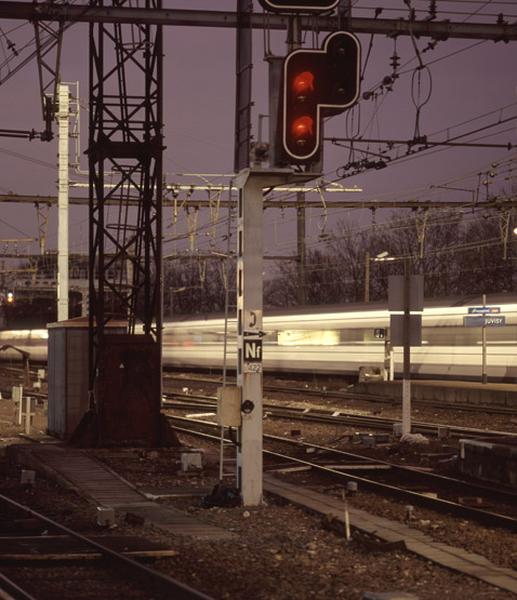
(167, 584)
(330, 417)
(485, 517)
(393, 400)
(502, 495)
(503, 410)
(13, 589)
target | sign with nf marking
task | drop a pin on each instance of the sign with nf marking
(484, 321)
(252, 350)
(484, 310)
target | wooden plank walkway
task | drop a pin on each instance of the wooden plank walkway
(101, 486)
(90, 477)
(416, 541)
(63, 547)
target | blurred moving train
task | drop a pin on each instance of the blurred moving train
(340, 340)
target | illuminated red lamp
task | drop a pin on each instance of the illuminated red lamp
(303, 84)
(302, 129)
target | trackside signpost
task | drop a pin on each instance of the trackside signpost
(484, 316)
(406, 297)
(308, 85)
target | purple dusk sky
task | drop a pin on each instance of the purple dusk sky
(477, 78)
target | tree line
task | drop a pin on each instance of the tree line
(457, 253)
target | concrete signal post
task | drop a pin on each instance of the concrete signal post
(251, 183)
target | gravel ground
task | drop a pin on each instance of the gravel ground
(278, 552)
(282, 552)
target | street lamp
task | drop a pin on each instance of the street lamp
(383, 256)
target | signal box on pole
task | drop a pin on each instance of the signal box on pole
(299, 6)
(317, 84)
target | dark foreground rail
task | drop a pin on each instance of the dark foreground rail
(161, 583)
(9, 589)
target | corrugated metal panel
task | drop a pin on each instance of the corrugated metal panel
(77, 377)
(68, 374)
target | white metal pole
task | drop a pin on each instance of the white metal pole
(62, 226)
(28, 401)
(17, 395)
(483, 345)
(367, 277)
(406, 378)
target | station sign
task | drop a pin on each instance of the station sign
(484, 321)
(484, 310)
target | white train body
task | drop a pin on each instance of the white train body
(341, 341)
(326, 340)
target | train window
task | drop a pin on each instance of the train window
(308, 338)
(354, 336)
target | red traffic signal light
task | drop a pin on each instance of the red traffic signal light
(302, 6)
(316, 84)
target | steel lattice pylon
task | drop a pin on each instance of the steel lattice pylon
(125, 149)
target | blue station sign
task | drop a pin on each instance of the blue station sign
(484, 321)
(484, 310)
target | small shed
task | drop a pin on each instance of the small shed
(68, 373)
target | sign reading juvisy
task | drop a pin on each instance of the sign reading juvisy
(301, 6)
(317, 84)
(484, 321)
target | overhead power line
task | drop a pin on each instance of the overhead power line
(220, 19)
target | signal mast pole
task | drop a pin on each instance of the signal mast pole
(250, 260)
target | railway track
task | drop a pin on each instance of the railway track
(394, 481)
(11, 590)
(362, 396)
(118, 564)
(332, 417)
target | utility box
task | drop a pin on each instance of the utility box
(68, 373)
(229, 406)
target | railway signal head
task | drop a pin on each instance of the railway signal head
(10, 298)
(316, 84)
(299, 6)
